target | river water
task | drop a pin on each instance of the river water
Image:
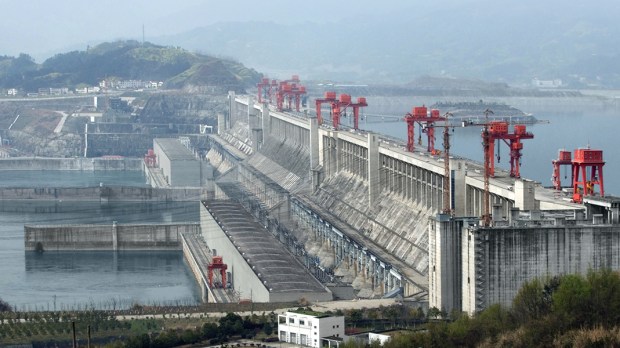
(31, 281)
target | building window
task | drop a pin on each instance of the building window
(282, 320)
(302, 322)
(293, 338)
(291, 320)
(282, 336)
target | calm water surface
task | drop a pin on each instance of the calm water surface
(79, 279)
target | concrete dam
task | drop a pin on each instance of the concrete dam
(359, 209)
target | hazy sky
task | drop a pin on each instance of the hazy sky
(43, 28)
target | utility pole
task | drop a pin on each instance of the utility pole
(447, 209)
(486, 138)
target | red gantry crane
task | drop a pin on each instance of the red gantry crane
(492, 131)
(420, 116)
(583, 184)
(289, 90)
(217, 263)
(498, 130)
(340, 105)
(330, 97)
(263, 89)
(564, 158)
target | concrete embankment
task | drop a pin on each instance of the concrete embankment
(106, 237)
(76, 163)
(104, 194)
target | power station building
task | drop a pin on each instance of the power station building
(179, 165)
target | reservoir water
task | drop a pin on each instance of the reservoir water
(573, 123)
(88, 279)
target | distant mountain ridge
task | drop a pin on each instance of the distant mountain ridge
(498, 41)
(125, 60)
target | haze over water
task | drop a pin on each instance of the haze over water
(88, 279)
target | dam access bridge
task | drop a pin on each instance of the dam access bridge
(356, 205)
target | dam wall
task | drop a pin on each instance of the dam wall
(76, 163)
(104, 194)
(497, 262)
(106, 237)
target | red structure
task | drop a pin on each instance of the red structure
(498, 130)
(339, 106)
(330, 97)
(584, 184)
(564, 158)
(263, 89)
(217, 263)
(492, 131)
(150, 159)
(289, 91)
(419, 115)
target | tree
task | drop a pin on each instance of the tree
(530, 302)
(604, 299)
(4, 306)
(571, 301)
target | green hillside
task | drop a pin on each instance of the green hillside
(125, 60)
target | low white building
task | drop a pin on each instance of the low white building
(307, 328)
(381, 338)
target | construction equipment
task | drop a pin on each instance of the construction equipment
(263, 89)
(289, 90)
(564, 158)
(492, 131)
(150, 159)
(217, 263)
(583, 184)
(330, 97)
(420, 116)
(340, 105)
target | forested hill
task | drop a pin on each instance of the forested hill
(125, 60)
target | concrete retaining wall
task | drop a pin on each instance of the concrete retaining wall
(497, 262)
(106, 237)
(78, 163)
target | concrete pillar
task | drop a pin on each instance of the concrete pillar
(266, 122)
(314, 152)
(614, 211)
(337, 153)
(232, 109)
(221, 124)
(114, 236)
(457, 170)
(444, 263)
(524, 194)
(373, 169)
(496, 214)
